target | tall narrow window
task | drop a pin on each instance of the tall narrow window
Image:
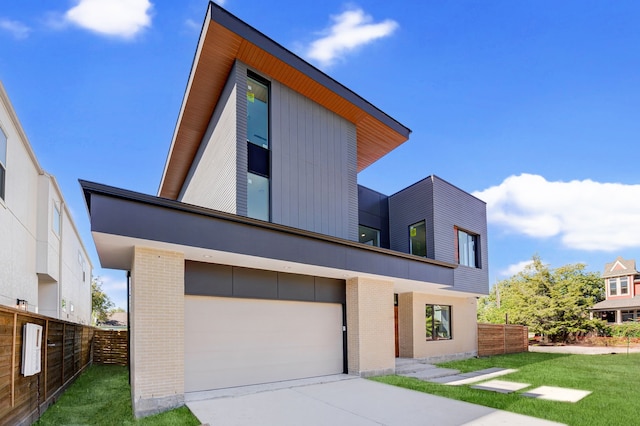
(624, 285)
(3, 161)
(257, 197)
(258, 154)
(613, 287)
(418, 239)
(369, 236)
(468, 249)
(438, 322)
(257, 113)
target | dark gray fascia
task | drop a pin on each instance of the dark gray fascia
(126, 213)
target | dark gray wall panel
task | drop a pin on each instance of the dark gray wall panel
(454, 207)
(411, 205)
(118, 212)
(208, 279)
(255, 283)
(373, 211)
(296, 287)
(330, 290)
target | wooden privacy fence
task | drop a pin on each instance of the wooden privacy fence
(498, 339)
(111, 347)
(65, 352)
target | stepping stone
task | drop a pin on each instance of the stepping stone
(432, 374)
(552, 393)
(410, 368)
(484, 375)
(501, 386)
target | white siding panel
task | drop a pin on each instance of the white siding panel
(212, 181)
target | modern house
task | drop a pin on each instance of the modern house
(622, 289)
(44, 267)
(261, 259)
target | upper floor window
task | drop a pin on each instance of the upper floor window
(624, 285)
(438, 322)
(418, 239)
(257, 112)
(369, 236)
(618, 286)
(468, 249)
(257, 196)
(3, 161)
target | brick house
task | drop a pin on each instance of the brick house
(261, 259)
(622, 289)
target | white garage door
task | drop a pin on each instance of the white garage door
(235, 342)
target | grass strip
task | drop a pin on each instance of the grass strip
(102, 396)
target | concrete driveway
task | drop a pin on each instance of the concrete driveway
(341, 400)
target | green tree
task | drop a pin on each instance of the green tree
(100, 302)
(553, 302)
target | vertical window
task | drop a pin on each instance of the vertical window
(257, 113)
(438, 322)
(369, 236)
(257, 197)
(3, 161)
(613, 287)
(468, 249)
(418, 239)
(624, 285)
(258, 154)
(56, 218)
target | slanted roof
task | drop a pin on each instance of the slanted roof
(619, 268)
(225, 39)
(627, 303)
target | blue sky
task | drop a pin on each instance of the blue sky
(533, 106)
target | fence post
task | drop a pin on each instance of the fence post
(13, 360)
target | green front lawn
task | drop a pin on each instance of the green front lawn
(612, 379)
(102, 396)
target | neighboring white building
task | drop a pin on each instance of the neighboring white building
(44, 267)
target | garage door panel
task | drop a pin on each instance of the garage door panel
(235, 342)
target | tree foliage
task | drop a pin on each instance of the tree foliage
(552, 302)
(101, 304)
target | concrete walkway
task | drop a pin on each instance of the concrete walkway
(343, 401)
(585, 350)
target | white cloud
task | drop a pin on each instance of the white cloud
(515, 268)
(192, 25)
(117, 18)
(15, 28)
(350, 30)
(584, 214)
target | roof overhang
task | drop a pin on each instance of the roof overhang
(225, 39)
(122, 220)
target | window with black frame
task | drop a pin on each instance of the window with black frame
(438, 322)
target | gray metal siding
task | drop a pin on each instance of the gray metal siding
(409, 206)
(453, 208)
(313, 169)
(212, 186)
(373, 211)
(208, 279)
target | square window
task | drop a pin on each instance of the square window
(418, 239)
(438, 322)
(468, 249)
